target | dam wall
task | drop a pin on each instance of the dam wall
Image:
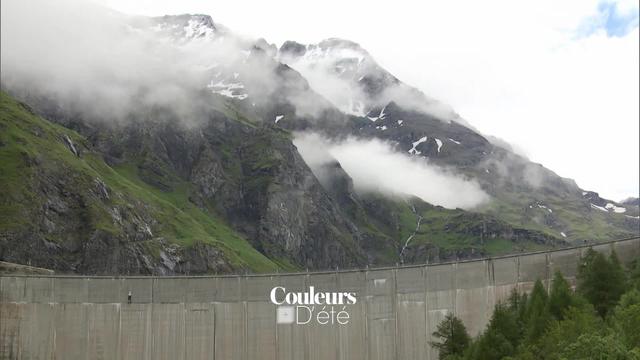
(232, 317)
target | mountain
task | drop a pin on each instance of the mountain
(522, 192)
(208, 179)
(631, 201)
(358, 85)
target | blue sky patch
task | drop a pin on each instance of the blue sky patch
(610, 18)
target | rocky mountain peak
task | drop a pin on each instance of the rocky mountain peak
(334, 51)
(339, 43)
(342, 62)
(327, 46)
(186, 26)
(292, 48)
(270, 49)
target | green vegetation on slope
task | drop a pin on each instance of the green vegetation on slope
(460, 230)
(33, 150)
(569, 214)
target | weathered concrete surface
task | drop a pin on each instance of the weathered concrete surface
(231, 317)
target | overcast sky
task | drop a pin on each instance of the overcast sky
(558, 79)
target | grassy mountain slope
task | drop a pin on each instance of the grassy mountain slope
(557, 213)
(421, 232)
(40, 172)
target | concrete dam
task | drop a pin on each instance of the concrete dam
(233, 317)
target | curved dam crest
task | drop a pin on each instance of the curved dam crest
(232, 317)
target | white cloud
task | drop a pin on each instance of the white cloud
(375, 166)
(107, 65)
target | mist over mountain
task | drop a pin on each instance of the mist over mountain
(171, 144)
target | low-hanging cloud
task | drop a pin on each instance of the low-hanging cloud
(335, 69)
(375, 166)
(104, 64)
(83, 56)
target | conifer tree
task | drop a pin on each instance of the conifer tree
(453, 336)
(601, 280)
(537, 315)
(618, 278)
(626, 319)
(503, 332)
(634, 274)
(560, 297)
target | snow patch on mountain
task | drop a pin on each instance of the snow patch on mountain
(439, 142)
(616, 209)
(184, 28)
(545, 207)
(198, 29)
(594, 206)
(415, 144)
(228, 89)
(380, 116)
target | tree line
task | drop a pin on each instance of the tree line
(599, 319)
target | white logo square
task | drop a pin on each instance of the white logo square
(285, 315)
